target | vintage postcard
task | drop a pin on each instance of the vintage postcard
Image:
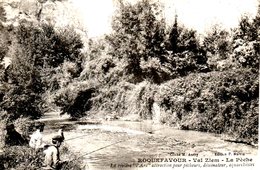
(129, 84)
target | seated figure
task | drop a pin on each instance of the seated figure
(13, 137)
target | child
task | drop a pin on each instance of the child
(36, 137)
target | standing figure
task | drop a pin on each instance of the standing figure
(36, 137)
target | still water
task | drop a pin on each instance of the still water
(124, 143)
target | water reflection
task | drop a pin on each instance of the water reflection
(124, 142)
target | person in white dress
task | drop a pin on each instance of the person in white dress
(36, 141)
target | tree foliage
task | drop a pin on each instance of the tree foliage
(186, 54)
(138, 38)
(182, 39)
(217, 42)
(246, 44)
(36, 52)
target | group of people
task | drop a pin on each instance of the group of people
(51, 151)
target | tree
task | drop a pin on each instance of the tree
(36, 51)
(47, 48)
(218, 45)
(182, 39)
(246, 44)
(174, 35)
(186, 53)
(248, 28)
(138, 39)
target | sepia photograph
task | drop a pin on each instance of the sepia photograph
(129, 84)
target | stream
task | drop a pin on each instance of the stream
(122, 144)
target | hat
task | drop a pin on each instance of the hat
(57, 138)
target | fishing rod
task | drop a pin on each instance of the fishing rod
(88, 153)
(79, 137)
(106, 146)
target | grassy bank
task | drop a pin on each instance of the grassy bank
(25, 158)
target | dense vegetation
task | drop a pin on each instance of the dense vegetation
(25, 158)
(37, 53)
(219, 102)
(209, 85)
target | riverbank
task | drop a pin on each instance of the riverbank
(123, 144)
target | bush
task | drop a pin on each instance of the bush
(112, 99)
(25, 158)
(246, 54)
(75, 98)
(140, 100)
(73, 160)
(24, 126)
(188, 62)
(126, 99)
(219, 102)
(21, 157)
(20, 102)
